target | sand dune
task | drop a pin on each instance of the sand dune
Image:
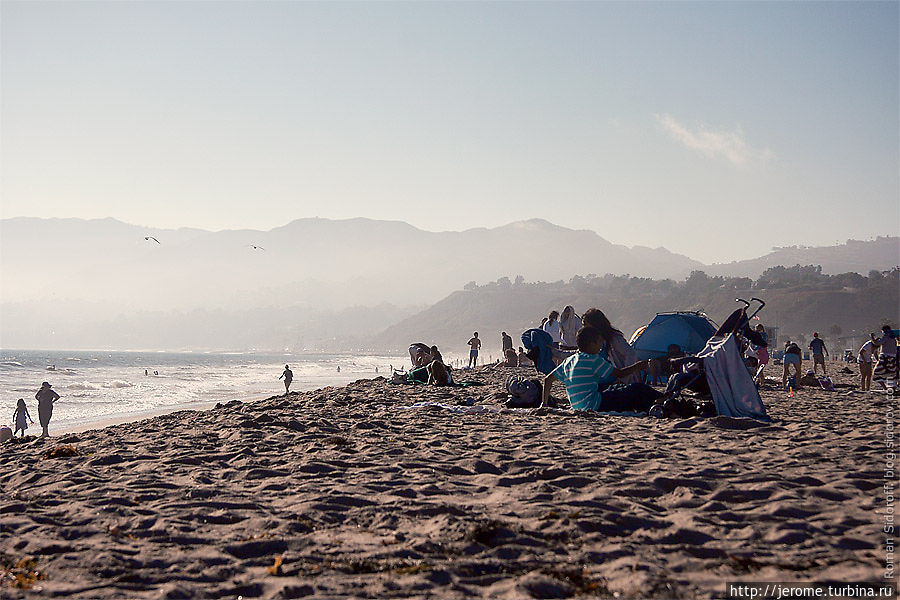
(340, 492)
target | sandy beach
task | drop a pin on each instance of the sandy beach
(350, 492)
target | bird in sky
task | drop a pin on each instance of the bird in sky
(257, 247)
(150, 237)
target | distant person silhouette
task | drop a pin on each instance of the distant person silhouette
(523, 360)
(46, 397)
(551, 326)
(436, 354)
(792, 356)
(506, 342)
(865, 358)
(475, 344)
(288, 376)
(819, 352)
(21, 417)
(512, 359)
(569, 324)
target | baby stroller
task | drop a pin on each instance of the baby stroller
(719, 371)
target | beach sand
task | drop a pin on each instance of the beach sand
(341, 492)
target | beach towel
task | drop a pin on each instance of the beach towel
(419, 376)
(886, 369)
(731, 384)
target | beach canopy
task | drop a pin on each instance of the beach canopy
(689, 330)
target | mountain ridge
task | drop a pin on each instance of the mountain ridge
(68, 270)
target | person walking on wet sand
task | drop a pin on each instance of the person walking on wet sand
(21, 417)
(46, 397)
(475, 344)
(288, 376)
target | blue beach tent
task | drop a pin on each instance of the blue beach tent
(690, 330)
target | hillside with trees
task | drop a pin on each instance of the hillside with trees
(799, 300)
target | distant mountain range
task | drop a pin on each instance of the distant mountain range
(316, 261)
(60, 272)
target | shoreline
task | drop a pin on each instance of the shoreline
(378, 490)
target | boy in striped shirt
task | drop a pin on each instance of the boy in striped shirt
(588, 376)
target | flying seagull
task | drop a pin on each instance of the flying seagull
(150, 237)
(257, 247)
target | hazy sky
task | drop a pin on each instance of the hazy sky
(714, 129)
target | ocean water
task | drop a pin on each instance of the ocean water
(99, 386)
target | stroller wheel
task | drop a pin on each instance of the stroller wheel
(657, 411)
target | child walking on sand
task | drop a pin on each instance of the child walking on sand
(21, 417)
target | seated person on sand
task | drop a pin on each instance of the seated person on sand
(615, 347)
(438, 374)
(661, 368)
(523, 360)
(512, 359)
(436, 354)
(588, 378)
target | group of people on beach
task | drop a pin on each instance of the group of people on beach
(600, 370)
(876, 360)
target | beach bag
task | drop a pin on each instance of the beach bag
(522, 393)
(826, 383)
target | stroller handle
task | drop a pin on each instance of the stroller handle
(758, 308)
(746, 304)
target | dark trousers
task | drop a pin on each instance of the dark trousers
(634, 397)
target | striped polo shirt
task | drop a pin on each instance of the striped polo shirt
(584, 375)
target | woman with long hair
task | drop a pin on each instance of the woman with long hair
(620, 353)
(569, 324)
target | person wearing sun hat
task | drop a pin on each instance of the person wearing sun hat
(45, 397)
